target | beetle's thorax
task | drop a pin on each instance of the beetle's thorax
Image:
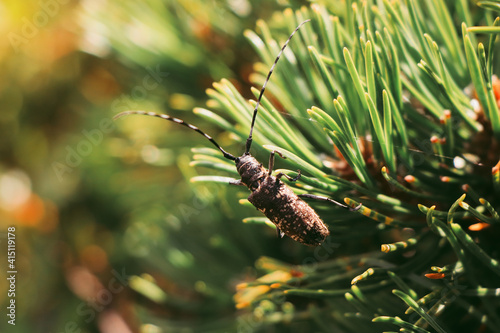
(251, 171)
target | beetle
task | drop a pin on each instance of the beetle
(291, 215)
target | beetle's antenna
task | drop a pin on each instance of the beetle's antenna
(249, 140)
(181, 122)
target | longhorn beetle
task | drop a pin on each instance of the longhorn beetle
(291, 215)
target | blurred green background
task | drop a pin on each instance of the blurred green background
(112, 235)
(95, 203)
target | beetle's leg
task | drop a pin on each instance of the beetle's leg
(236, 182)
(271, 160)
(318, 197)
(281, 174)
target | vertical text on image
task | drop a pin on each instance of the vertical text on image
(11, 275)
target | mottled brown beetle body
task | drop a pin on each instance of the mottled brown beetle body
(291, 215)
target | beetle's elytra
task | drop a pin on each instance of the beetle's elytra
(291, 215)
